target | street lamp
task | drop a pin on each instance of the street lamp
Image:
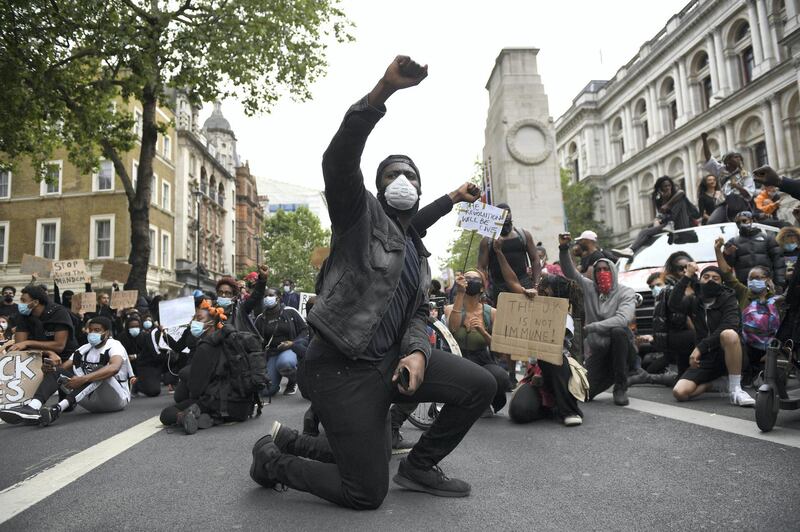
(197, 194)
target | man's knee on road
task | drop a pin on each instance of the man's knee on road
(366, 497)
(683, 390)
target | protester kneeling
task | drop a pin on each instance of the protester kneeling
(94, 377)
(227, 373)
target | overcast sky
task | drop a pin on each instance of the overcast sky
(440, 123)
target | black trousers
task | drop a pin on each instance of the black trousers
(148, 380)
(49, 386)
(610, 366)
(352, 399)
(680, 345)
(526, 404)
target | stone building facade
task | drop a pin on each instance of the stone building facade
(86, 216)
(249, 220)
(728, 68)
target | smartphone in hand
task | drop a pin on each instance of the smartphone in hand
(404, 378)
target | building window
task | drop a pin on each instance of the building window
(624, 211)
(760, 154)
(154, 189)
(166, 196)
(5, 184)
(153, 247)
(51, 183)
(748, 62)
(102, 237)
(167, 147)
(3, 242)
(138, 123)
(48, 235)
(707, 92)
(166, 247)
(104, 178)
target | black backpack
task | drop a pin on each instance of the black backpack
(241, 372)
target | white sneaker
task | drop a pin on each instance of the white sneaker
(626, 252)
(573, 421)
(669, 227)
(742, 398)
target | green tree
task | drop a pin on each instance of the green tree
(579, 200)
(63, 63)
(460, 249)
(289, 238)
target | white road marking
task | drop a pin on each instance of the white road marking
(734, 425)
(23, 495)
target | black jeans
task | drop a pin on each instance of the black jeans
(610, 366)
(352, 399)
(680, 345)
(526, 403)
(148, 380)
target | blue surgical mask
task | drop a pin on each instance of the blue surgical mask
(24, 309)
(790, 247)
(94, 338)
(287, 288)
(134, 331)
(224, 302)
(657, 289)
(147, 324)
(197, 328)
(270, 301)
(757, 286)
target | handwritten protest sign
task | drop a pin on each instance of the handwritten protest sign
(38, 265)
(304, 297)
(115, 271)
(318, 256)
(20, 375)
(124, 299)
(176, 312)
(83, 303)
(481, 217)
(530, 328)
(71, 271)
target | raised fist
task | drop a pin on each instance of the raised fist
(564, 239)
(404, 72)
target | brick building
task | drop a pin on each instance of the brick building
(249, 220)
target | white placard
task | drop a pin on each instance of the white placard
(304, 297)
(176, 312)
(486, 219)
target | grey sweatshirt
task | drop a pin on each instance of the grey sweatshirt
(603, 312)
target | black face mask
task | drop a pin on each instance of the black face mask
(474, 287)
(8, 299)
(710, 290)
(507, 227)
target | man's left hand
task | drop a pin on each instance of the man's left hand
(468, 192)
(415, 362)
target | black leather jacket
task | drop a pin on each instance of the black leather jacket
(367, 251)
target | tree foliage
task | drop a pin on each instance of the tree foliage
(579, 200)
(289, 238)
(63, 63)
(460, 251)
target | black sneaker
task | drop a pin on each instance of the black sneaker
(640, 377)
(620, 397)
(432, 481)
(264, 452)
(188, 419)
(49, 415)
(291, 388)
(310, 423)
(20, 414)
(283, 437)
(399, 445)
(205, 421)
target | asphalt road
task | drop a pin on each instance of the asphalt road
(622, 469)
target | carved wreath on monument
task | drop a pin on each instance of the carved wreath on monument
(529, 142)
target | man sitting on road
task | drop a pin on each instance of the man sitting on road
(609, 307)
(96, 376)
(714, 312)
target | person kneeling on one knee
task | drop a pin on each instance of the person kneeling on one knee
(714, 312)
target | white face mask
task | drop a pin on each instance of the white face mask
(401, 194)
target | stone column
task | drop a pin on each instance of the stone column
(766, 37)
(691, 174)
(722, 73)
(680, 93)
(588, 141)
(633, 201)
(755, 36)
(631, 144)
(653, 114)
(730, 141)
(713, 66)
(609, 158)
(780, 138)
(769, 134)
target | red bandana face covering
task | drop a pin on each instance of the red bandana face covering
(603, 281)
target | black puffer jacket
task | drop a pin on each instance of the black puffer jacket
(758, 249)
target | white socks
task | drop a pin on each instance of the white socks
(734, 383)
(63, 404)
(35, 404)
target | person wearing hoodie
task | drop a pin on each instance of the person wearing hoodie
(753, 247)
(789, 240)
(609, 308)
(715, 314)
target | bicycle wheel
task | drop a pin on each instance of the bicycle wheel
(424, 415)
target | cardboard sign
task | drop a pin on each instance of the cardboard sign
(83, 303)
(486, 219)
(115, 271)
(71, 271)
(304, 297)
(318, 256)
(20, 375)
(530, 328)
(176, 312)
(38, 265)
(121, 299)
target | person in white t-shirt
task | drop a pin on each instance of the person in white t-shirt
(95, 377)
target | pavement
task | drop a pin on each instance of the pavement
(623, 469)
